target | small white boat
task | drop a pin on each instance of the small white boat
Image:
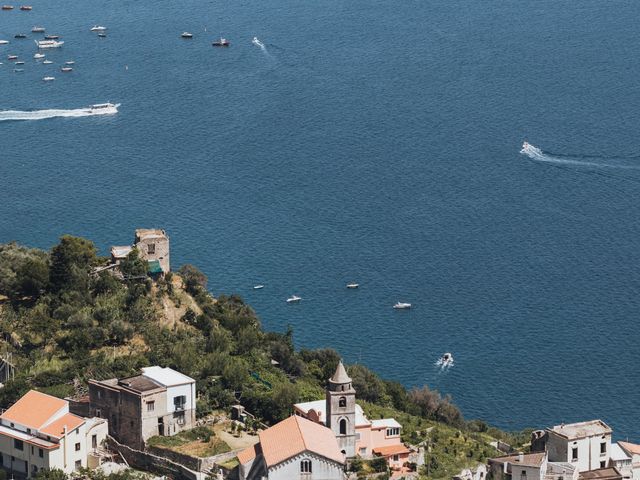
(102, 35)
(37, 30)
(19, 62)
(446, 360)
(49, 43)
(12, 57)
(47, 62)
(66, 69)
(258, 287)
(223, 42)
(39, 55)
(294, 299)
(402, 306)
(98, 28)
(103, 108)
(4, 42)
(70, 62)
(353, 285)
(49, 79)
(186, 35)
(18, 70)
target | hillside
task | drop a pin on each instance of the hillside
(63, 324)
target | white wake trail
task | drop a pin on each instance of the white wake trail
(537, 154)
(9, 115)
(259, 44)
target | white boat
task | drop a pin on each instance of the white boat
(402, 306)
(70, 62)
(47, 62)
(38, 55)
(49, 43)
(258, 287)
(49, 79)
(446, 360)
(103, 108)
(294, 299)
(186, 35)
(66, 69)
(353, 285)
(4, 42)
(98, 28)
(525, 145)
(19, 62)
(37, 30)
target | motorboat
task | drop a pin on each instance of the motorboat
(18, 70)
(446, 360)
(51, 37)
(258, 287)
(48, 79)
(353, 285)
(19, 62)
(19, 35)
(38, 56)
(69, 62)
(223, 42)
(402, 306)
(47, 62)
(26, 8)
(12, 57)
(186, 35)
(103, 108)
(66, 69)
(37, 30)
(294, 299)
(7, 7)
(49, 43)
(98, 28)
(102, 35)
(525, 145)
(4, 42)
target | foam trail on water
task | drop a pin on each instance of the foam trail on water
(537, 154)
(261, 46)
(9, 115)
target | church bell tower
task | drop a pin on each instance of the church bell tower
(341, 410)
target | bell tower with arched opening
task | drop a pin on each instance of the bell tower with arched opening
(341, 410)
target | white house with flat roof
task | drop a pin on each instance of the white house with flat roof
(587, 445)
(180, 393)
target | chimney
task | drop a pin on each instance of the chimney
(521, 457)
(505, 466)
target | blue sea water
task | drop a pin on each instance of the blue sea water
(375, 142)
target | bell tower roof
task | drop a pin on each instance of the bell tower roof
(341, 375)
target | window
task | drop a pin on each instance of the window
(180, 418)
(574, 454)
(94, 441)
(342, 403)
(305, 466)
(523, 474)
(603, 464)
(393, 432)
(98, 412)
(151, 406)
(34, 469)
(396, 458)
(41, 453)
(343, 427)
(12, 425)
(151, 248)
(603, 448)
(29, 431)
(78, 464)
(363, 451)
(17, 444)
(31, 449)
(180, 402)
(99, 394)
(77, 447)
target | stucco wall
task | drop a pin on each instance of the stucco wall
(322, 469)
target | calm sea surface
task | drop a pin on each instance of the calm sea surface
(371, 141)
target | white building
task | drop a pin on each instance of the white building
(530, 466)
(633, 451)
(295, 448)
(587, 445)
(38, 432)
(621, 460)
(181, 390)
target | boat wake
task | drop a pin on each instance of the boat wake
(445, 362)
(537, 154)
(16, 115)
(261, 46)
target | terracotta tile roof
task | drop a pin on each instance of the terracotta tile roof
(247, 454)
(296, 435)
(632, 448)
(391, 450)
(56, 429)
(34, 409)
(528, 459)
(609, 473)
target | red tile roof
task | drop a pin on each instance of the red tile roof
(56, 429)
(528, 459)
(631, 448)
(248, 454)
(391, 450)
(34, 409)
(296, 435)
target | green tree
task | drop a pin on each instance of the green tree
(51, 474)
(71, 261)
(32, 277)
(194, 279)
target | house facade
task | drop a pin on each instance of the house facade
(621, 461)
(38, 432)
(356, 434)
(530, 466)
(587, 445)
(633, 451)
(159, 401)
(294, 449)
(153, 246)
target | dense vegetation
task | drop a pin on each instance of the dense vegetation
(64, 323)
